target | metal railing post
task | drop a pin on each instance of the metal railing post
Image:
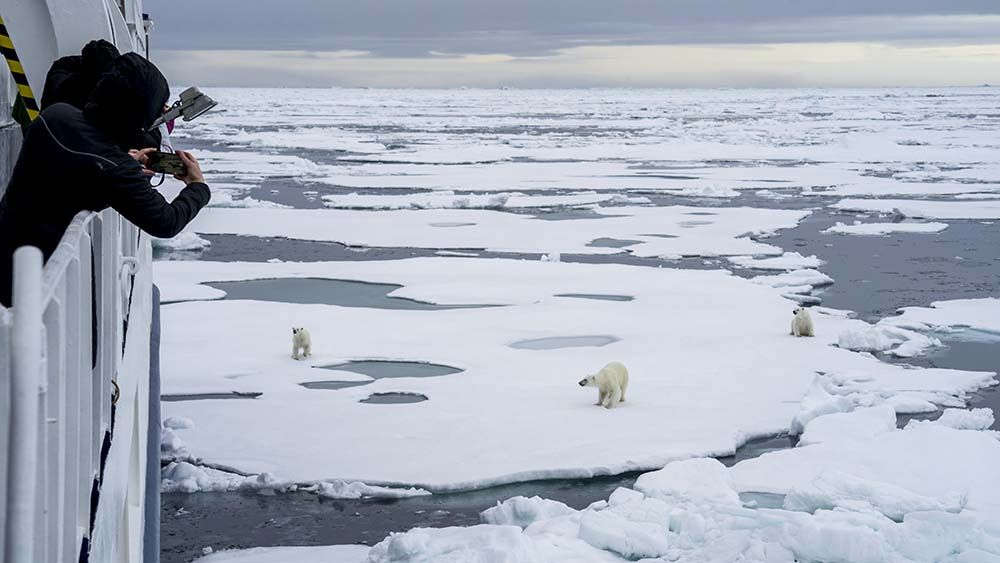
(26, 380)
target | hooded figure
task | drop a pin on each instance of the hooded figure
(71, 79)
(73, 160)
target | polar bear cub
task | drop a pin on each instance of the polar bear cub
(611, 383)
(802, 323)
(301, 341)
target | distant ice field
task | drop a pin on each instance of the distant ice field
(899, 142)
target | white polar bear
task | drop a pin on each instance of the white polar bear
(301, 341)
(802, 323)
(611, 383)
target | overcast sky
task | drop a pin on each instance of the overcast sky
(558, 43)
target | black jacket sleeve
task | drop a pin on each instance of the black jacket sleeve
(130, 194)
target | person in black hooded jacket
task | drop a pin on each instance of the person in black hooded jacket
(71, 79)
(73, 160)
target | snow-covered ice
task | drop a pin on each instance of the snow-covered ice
(712, 364)
(962, 419)
(860, 228)
(786, 262)
(184, 477)
(502, 409)
(835, 489)
(860, 423)
(698, 143)
(353, 490)
(184, 242)
(662, 231)
(522, 511)
(885, 337)
(451, 200)
(693, 481)
(795, 281)
(860, 498)
(951, 316)
(316, 554)
(925, 209)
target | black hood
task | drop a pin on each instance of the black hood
(97, 56)
(127, 99)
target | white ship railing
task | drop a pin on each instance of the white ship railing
(58, 396)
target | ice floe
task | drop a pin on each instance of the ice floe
(502, 410)
(451, 200)
(962, 419)
(661, 231)
(861, 498)
(885, 337)
(786, 262)
(857, 424)
(699, 144)
(925, 209)
(859, 228)
(249, 167)
(184, 242)
(951, 316)
(522, 511)
(311, 554)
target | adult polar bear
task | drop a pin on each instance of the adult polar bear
(611, 383)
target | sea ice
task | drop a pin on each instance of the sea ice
(911, 403)
(354, 490)
(611, 531)
(485, 543)
(501, 409)
(925, 209)
(702, 346)
(178, 423)
(836, 489)
(884, 337)
(315, 554)
(225, 199)
(886, 228)
(184, 477)
(950, 316)
(247, 167)
(523, 511)
(860, 423)
(818, 402)
(450, 200)
(786, 262)
(865, 338)
(805, 278)
(962, 419)
(187, 241)
(690, 481)
(660, 230)
(864, 498)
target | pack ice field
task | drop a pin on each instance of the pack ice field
(462, 259)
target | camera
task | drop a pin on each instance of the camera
(166, 163)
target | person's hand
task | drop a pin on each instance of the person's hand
(193, 169)
(142, 157)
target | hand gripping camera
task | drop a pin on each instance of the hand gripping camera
(191, 105)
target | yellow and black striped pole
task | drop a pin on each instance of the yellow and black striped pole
(25, 108)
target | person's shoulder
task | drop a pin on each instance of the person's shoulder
(64, 126)
(61, 116)
(61, 109)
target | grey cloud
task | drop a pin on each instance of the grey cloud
(418, 28)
